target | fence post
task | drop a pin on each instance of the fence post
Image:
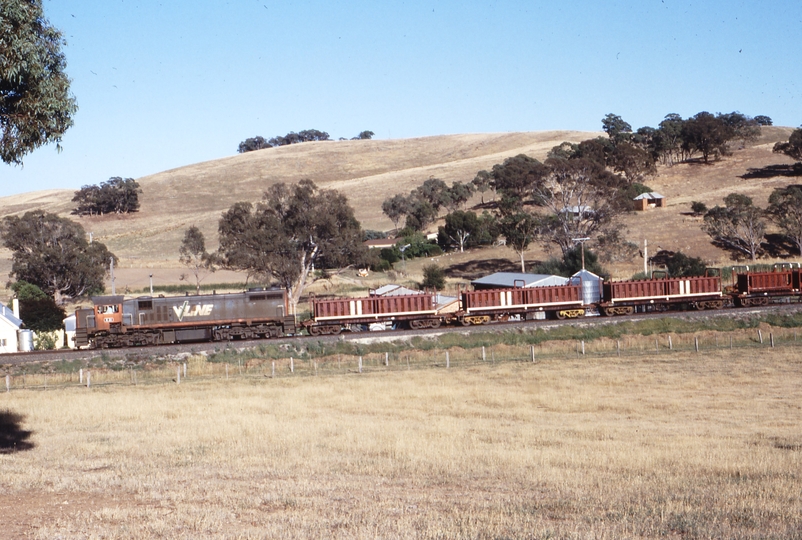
(226, 371)
(771, 337)
(618, 347)
(484, 358)
(386, 359)
(448, 361)
(292, 365)
(360, 364)
(760, 335)
(696, 343)
(273, 371)
(656, 344)
(81, 376)
(532, 347)
(8, 383)
(670, 345)
(88, 379)
(583, 347)
(178, 375)
(730, 342)
(185, 370)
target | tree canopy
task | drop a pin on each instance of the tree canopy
(785, 208)
(306, 135)
(738, 225)
(38, 311)
(52, 253)
(291, 231)
(36, 106)
(114, 196)
(793, 147)
(193, 255)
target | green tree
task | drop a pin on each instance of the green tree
(364, 136)
(193, 255)
(395, 208)
(115, 196)
(668, 142)
(482, 182)
(253, 143)
(616, 128)
(785, 208)
(36, 106)
(292, 230)
(52, 253)
(421, 213)
(738, 225)
(698, 208)
(458, 228)
(681, 265)
(793, 147)
(434, 277)
(707, 134)
(571, 263)
(516, 176)
(581, 198)
(634, 162)
(433, 191)
(520, 230)
(457, 195)
(37, 310)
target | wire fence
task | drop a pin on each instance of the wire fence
(235, 365)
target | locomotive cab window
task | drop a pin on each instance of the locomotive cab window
(255, 297)
(146, 304)
(106, 310)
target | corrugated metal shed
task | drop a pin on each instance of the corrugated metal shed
(501, 280)
(398, 290)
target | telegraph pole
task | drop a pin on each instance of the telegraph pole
(111, 269)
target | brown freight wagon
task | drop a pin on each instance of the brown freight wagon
(332, 315)
(479, 307)
(755, 288)
(626, 297)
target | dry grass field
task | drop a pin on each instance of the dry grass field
(680, 446)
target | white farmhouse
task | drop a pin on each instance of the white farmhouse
(9, 326)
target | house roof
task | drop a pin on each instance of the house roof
(649, 195)
(398, 290)
(394, 290)
(513, 279)
(380, 242)
(8, 314)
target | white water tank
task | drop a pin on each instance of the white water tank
(25, 340)
(591, 286)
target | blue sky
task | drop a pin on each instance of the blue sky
(166, 83)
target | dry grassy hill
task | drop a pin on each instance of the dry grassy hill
(370, 171)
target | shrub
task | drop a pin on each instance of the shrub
(434, 277)
(698, 208)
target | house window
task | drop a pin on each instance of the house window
(3, 343)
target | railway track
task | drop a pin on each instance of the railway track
(138, 354)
